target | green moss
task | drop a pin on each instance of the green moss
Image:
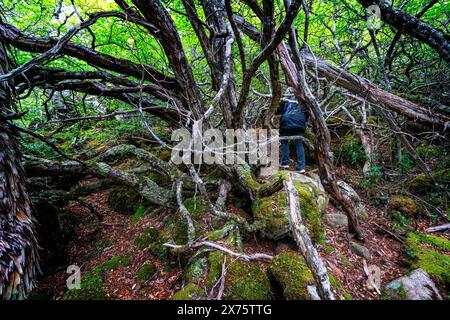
(247, 176)
(215, 260)
(402, 204)
(338, 287)
(422, 251)
(246, 281)
(176, 227)
(164, 155)
(91, 288)
(124, 200)
(293, 275)
(145, 239)
(308, 195)
(271, 212)
(329, 249)
(140, 212)
(344, 260)
(195, 270)
(187, 293)
(196, 206)
(221, 233)
(145, 272)
(180, 231)
(352, 151)
(116, 262)
(158, 249)
(423, 184)
(428, 151)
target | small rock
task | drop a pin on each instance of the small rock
(417, 285)
(336, 219)
(360, 250)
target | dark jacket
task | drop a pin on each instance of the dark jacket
(292, 116)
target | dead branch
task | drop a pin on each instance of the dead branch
(239, 255)
(441, 228)
(304, 242)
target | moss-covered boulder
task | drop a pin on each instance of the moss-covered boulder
(246, 281)
(124, 200)
(116, 262)
(431, 254)
(401, 210)
(145, 239)
(417, 285)
(424, 184)
(290, 271)
(145, 273)
(271, 212)
(189, 292)
(402, 204)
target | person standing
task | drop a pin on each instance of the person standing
(293, 122)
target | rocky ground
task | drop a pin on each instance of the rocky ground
(130, 268)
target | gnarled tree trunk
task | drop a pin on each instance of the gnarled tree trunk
(18, 243)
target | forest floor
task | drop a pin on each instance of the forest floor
(117, 231)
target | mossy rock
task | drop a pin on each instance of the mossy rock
(293, 275)
(402, 204)
(188, 292)
(429, 253)
(195, 270)
(417, 285)
(124, 200)
(91, 287)
(272, 213)
(246, 281)
(116, 262)
(145, 239)
(424, 184)
(146, 272)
